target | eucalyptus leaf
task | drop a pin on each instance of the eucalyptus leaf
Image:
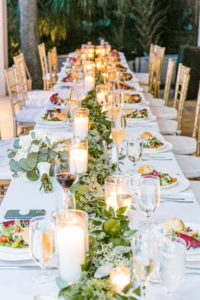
(112, 227)
(11, 154)
(23, 164)
(16, 144)
(103, 271)
(122, 249)
(14, 166)
(32, 159)
(32, 175)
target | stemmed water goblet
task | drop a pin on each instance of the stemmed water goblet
(143, 261)
(42, 247)
(148, 195)
(65, 177)
(134, 151)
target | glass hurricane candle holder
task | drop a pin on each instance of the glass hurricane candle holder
(89, 66)
(100, 93)
(120, 277)
(89, 80)
(78, 155)
(119, 191)
(71, 243)
(80, 122)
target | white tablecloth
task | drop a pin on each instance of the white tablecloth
(15, 284)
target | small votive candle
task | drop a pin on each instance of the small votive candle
(120, 277)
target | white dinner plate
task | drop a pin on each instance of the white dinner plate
(166, 147)
(181, 185)
(148, 119)
(195, 227)
(15, 255)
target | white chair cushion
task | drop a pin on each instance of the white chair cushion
(148, 96)
(35, 94)
(165, 112)
(28, 115)
(156, 102)
(167, 126)
(142, 77)
(145, 88)
(182, 144)
(195, 186)
(190, 165)
(48, 77)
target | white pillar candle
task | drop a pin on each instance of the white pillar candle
(120, 277)
(81, 126)
(89, 80)
(78, 160)
(71, 252)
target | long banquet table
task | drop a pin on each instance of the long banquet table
(24, 194)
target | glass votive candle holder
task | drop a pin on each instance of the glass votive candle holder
(78, 155)
(71, 243)
(80, 122)
(89, 80)
(120, 277)
(119, 191)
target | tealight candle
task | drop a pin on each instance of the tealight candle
(119, 278)
(78, 157)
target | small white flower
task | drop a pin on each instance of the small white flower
(35, 148)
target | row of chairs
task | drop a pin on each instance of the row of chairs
(186, 149)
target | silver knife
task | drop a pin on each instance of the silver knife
(27, 267)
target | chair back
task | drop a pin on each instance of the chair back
(181, 88)
(53, 65)
(168, 81)
(43, 59)
(157, 56)
(16, 93)
(22, 77)
(196, 128)
(17, 59)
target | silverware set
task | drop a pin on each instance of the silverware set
(164, 199)
(155, 158)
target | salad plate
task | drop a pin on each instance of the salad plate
(14, 240)
(132, 98)
(139, 114)
(190, 234)
(154, 144)
(53, 117)
(130, 86)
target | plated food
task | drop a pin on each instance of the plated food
(166, 180)
(121, 68)
(14, 234)
(136, 113)
(150, 141)
(57, 100)
(114, 53)
(132, 98)
(126, 76)
(54, 115)
(175, 228)
(126, 87)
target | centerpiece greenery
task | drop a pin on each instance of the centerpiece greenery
(109, 241)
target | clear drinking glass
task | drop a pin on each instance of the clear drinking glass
(65, 177)
(149, 194)
(118, 131)
(172, 266)
(134, 150)
(42, 247)
(143, 262)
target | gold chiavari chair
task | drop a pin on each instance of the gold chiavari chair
(154, 78)
(22, 118)
(53, 65)
(185, 145)
(182, 82)
(18, 59)
(44, 65)
(158, 102)
(4, 184)
(190, 164)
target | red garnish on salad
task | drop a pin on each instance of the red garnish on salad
(72, 59)
(68, 78)
(189, 240)
(114, 53)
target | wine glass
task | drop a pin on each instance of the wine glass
(143, 262)
(65, 177)
(149, 195)
(118, 132)
(172, 258)
(42, 246)
(134, 151)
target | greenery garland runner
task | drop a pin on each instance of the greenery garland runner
(109, 243)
